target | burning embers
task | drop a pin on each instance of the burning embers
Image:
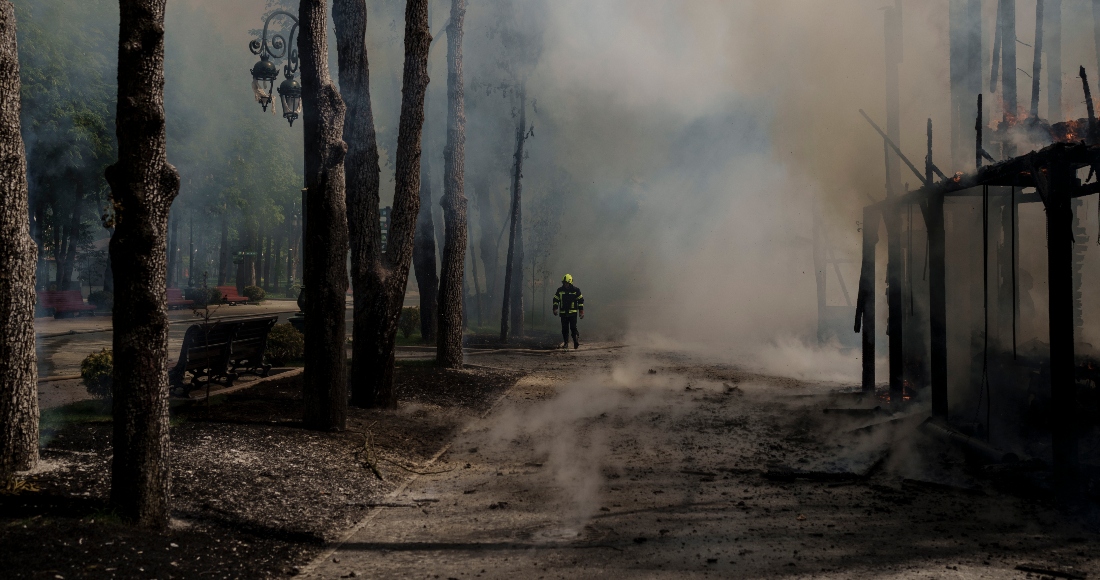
(1069, 131)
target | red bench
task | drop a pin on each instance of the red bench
(176, 299)
(63, 302)
(230, 296)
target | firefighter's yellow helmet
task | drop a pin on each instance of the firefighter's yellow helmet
(568, 278)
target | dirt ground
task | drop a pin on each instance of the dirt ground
(253, 493)
(610, 461)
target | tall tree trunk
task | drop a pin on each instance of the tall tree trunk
(38, 213)
(512, 309)
(424, 254)
(477, 283)
(326, 240)
(223, 250)
(278, 250)
(452, 274)
(489, 247)
(380, 279)
(18, 256)
(290, 250)
(143, 185)
(173, 250)
(72, 239)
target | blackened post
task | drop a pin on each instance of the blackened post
(895, 308)
(928, 156)
(1037, 60)
(865, 299)
(1060, 283)
(937, 302)
(893, 22)
(1089, 107)
(978, 136)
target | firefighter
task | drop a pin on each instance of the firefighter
(568, 301)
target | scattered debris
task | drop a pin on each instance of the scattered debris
(1033, 569)
(937, 486)
(701, 473)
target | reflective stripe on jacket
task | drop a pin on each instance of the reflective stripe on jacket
(568, 300)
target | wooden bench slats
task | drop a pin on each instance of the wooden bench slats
(176, 299)
(64, 301)
(220, 353)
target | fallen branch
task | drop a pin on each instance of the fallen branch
(392, 462)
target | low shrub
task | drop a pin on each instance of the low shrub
(284, 344)
(203, 296)
(95, 370)
(254, 293)
(409, 321)
(293, 291)
(102, 300)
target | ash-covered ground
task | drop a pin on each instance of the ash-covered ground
(638, 464)
(611, 461)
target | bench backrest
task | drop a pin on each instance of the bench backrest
(175, 294)
(60, 298)
(207, 346)
(230, 292)
(251, 339)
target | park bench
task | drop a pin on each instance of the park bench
(176, 299)
(206, 352)
(250, 344)
(63, 302)
(230, 296)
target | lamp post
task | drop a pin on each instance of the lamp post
(264, 74)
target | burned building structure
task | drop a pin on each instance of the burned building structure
(963, 331)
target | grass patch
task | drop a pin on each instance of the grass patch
(89, 411)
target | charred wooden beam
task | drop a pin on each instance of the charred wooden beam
(1037, 61)
(937, 302)
(1062, 179)
(894, 147)
(865, 298)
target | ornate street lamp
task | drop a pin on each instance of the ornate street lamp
(265, 73)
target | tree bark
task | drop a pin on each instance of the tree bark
(452, 275)
(477, 283)
(380, 279)
(143, 185)
(173, 251)
(512, 309)
(424, 254)
(326, 239)
(18, 256)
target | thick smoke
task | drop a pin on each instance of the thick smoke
(687, 147)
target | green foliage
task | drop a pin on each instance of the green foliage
(409, 321)
(102, 300)
(284, 344)
(96, 371)
(294, 290)
(254, 293)
(67, 57)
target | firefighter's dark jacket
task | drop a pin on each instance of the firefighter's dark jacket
(568, 300)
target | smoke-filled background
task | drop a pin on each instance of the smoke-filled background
(678, 152)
